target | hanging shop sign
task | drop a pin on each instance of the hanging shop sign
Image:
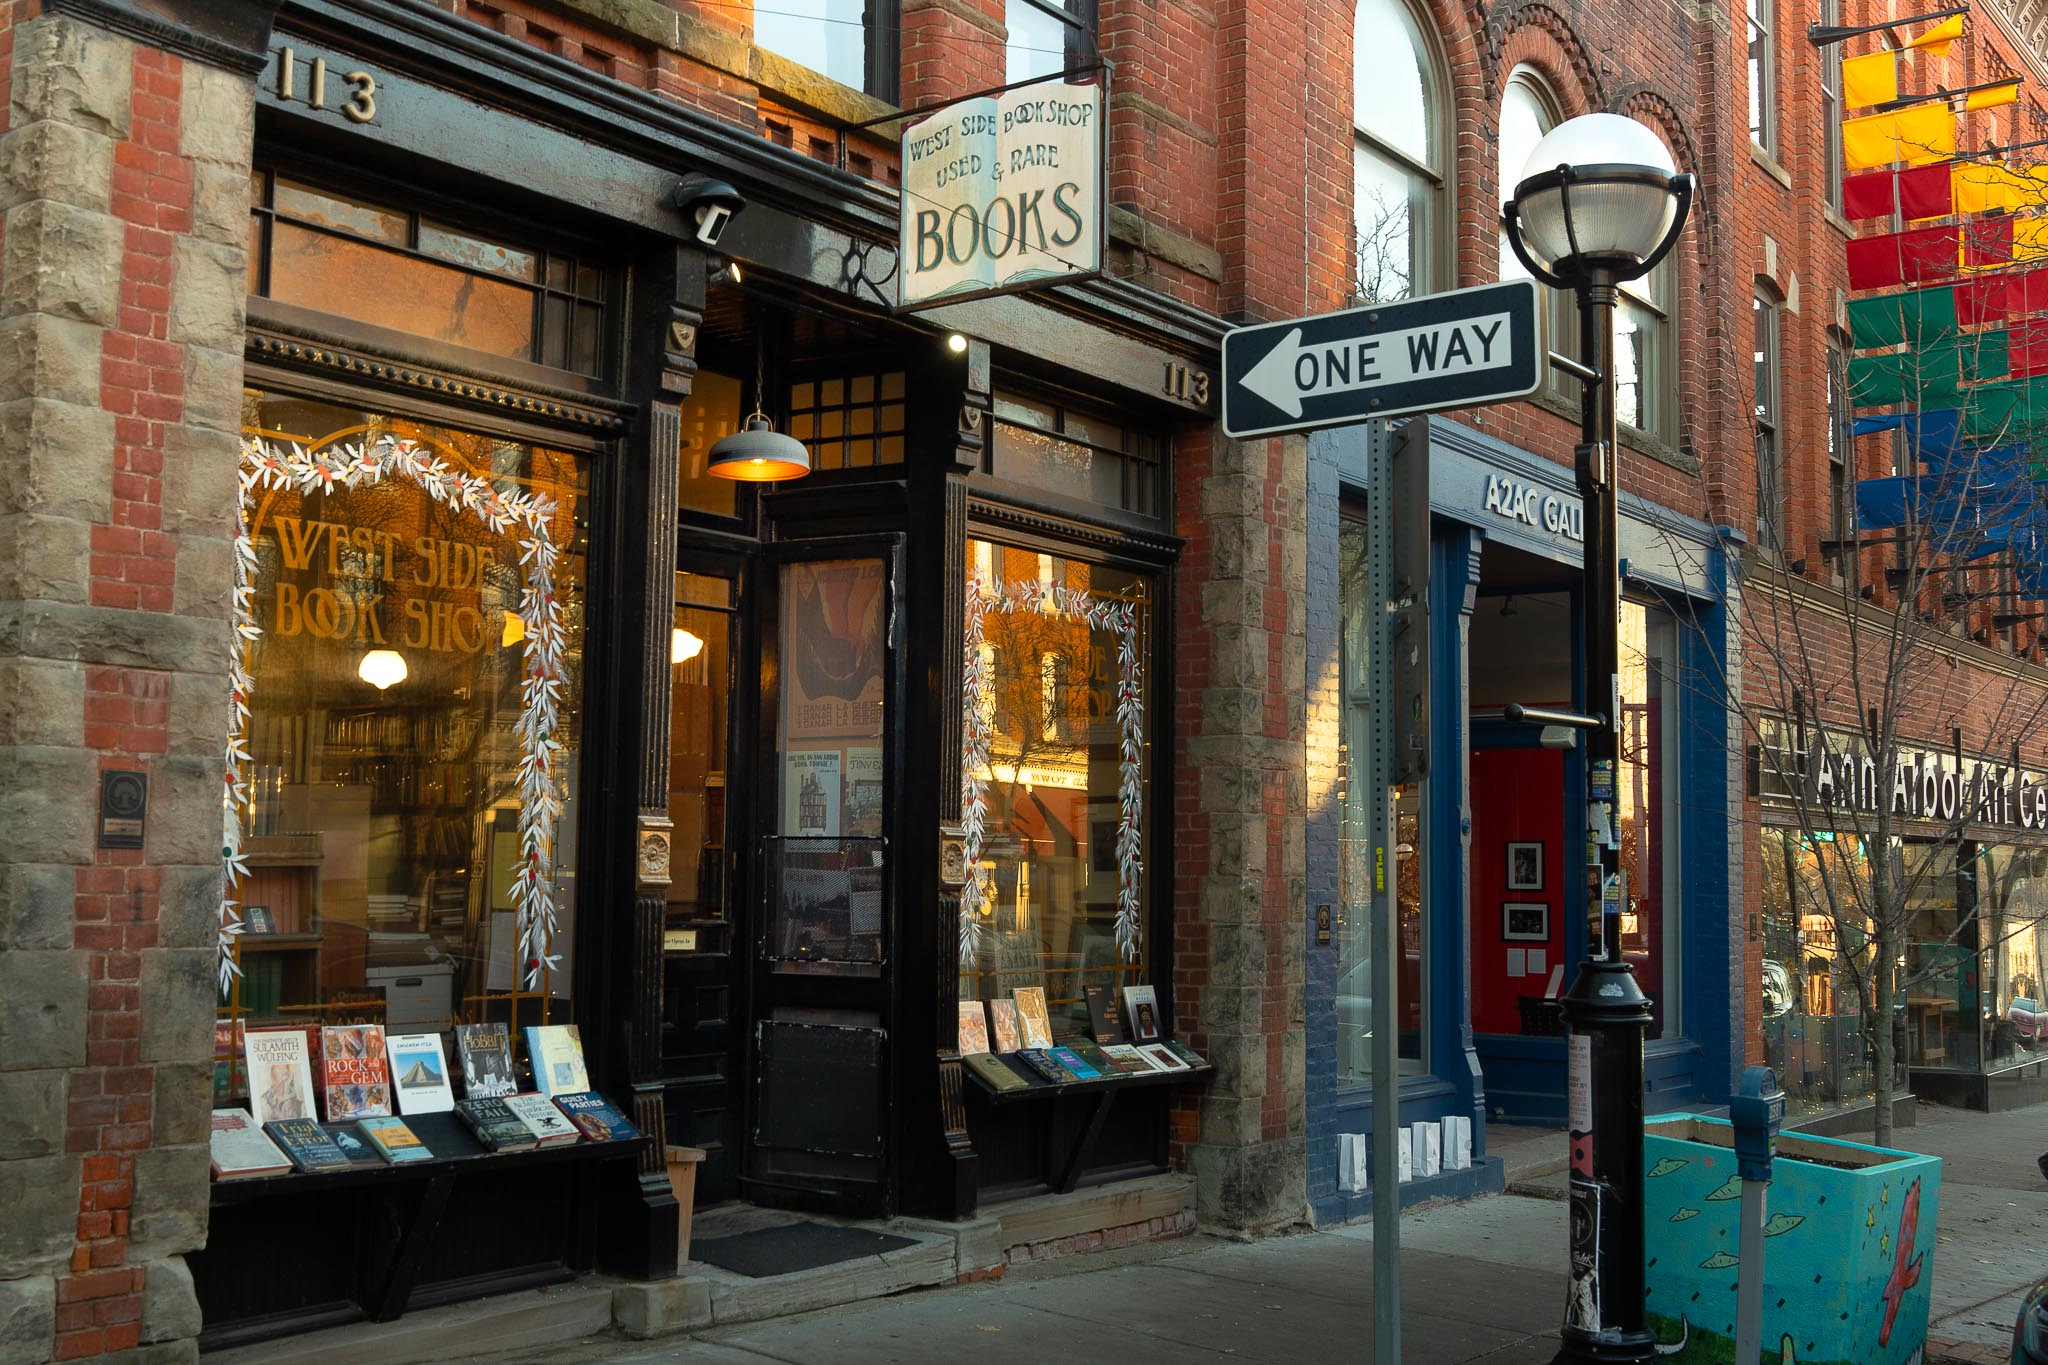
(1833, 772)
(1001, 193)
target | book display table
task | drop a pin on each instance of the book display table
(1100, 1094)
(370, 1242)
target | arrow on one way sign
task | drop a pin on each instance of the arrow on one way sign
(1440, 351)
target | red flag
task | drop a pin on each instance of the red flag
(1874, 262)
(2026, 291)
(1987, 242)
(1924, 192)
(1870, 195)
(1983, 301)
(2027, 350)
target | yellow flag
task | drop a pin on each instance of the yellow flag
(1937, 39)
(2029, 239)
(1926, 132)
(1980, 187)
(1870, 79)
(1870, 141)
(1997, 95)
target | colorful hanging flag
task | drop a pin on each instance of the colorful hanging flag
(1994, 96)
(1916, 256)
(1935, 41)
(1920, 317)
(1916, 136)
(1927, 191)
(1870, 79)
(1943, 189)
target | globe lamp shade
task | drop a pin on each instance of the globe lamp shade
(758, 453)
(382, 669)
(684, 646)
(1599, 191)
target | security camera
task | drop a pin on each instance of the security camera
(709, 203)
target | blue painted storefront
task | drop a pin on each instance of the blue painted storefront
(1674, 559)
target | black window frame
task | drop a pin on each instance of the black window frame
(1082, 19)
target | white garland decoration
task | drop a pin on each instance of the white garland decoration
(351, 466)
(1119, 618)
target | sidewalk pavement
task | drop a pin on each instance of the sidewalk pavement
(1481, 1282)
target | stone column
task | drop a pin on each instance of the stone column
(1239, 861)
(124, 171)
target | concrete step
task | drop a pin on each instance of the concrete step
(505, 1322)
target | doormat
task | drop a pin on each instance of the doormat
(791, 1247)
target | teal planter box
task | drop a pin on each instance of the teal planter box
(1848, 1246)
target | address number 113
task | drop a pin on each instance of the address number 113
(359, 102)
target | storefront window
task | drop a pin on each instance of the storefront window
(1942, 1007)
(388, 727)
(1647, 814)
(1813, 983)
(711, 412)
(1063, 768)
(700, 669)
(1057, 449)
(2012, 902)
(1353, 930)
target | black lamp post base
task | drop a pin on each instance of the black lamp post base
(1616, 1349)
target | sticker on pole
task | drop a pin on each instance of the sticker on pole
(1451, 350)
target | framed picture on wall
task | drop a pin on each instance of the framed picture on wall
(1525, 867)
(1526, 921)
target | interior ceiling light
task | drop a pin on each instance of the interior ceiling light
(383, 669)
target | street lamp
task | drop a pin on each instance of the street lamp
(1601, 202)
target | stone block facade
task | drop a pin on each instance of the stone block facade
(120, 321)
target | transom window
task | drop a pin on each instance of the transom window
(849, 421)
(406, 270)
(1046, 445)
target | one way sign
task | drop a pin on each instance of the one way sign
(1440, 351)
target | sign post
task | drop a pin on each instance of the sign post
(1453, 350)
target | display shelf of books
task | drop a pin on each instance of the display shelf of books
(1010, 1050)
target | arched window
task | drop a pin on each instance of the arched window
(1397, 157)
(1527, 112)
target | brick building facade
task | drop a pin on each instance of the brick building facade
(151, 327)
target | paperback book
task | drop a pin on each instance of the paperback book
(1184, 1052)
(395, 1142)
(1034, 1025)
(353, 1144)
(997, 1074)
(596, 1117)
(557, 1054)
(538, 1113)
(486, 1051)
(1002, 1018)
(1090, 1052)
(419, 1072)
(240, 1149)
(1141, 1007)
(973, 1028)
(495, 1125)
(1045, 1064)
(1071, 1060)
(280, 1075)
(307, 1144)
(356, 1081)
(1105, 1021)
(1128, 1060)
(1161, 1056)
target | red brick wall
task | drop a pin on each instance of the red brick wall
(110, 1110)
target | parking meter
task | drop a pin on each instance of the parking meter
(1756, 1113)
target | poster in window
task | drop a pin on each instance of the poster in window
(834, 640)
(810, 792)
(863, 806)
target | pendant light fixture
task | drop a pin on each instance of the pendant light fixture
(757, 452)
